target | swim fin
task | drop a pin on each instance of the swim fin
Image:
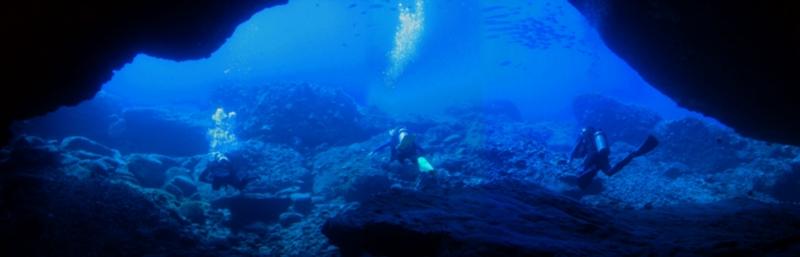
(649, 144)
(424, 165)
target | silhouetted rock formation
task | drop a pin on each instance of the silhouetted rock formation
(731, 60)
(62, 52)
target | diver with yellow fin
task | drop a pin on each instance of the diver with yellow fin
(593, 146)
(404, 147)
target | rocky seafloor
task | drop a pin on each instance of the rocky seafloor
(127, 183)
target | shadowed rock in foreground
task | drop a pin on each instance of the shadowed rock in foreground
(513, 219)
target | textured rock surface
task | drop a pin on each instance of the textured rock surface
(76, 217)
(712, 149)
(485, 196)
(619, 121)
(507, 218)
(63, 52)
(300, 115)
(731, 60)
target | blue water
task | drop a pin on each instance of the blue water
(538, 54)
(277, 145)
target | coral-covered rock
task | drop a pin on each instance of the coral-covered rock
(181, 186)
(150, 170)
(249, 209)
(194, 211)
(86, 217)
(337, 171)
(289, 218)
(701, 146)
(76, 143)
(488, 148)
(620, 122)
(29, 153)
(300, 115)
(271, 167)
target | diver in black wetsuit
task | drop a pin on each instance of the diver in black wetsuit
(403, 146)
(223, 172)
(593, 146)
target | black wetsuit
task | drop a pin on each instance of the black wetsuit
(407, 153)
(221, 173)
(595, 158)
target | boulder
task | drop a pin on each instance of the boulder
(77, 143)
(184, 185)
(86, 217)
(271, 167)
(289, 218)
(249, 209)
(150, 170)
(338, 170)
(30, 153)
(699, 145)
(301, 115)
(620, 122)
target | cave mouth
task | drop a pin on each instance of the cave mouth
(539, 56)
(271, 146)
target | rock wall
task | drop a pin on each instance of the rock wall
(62, 52)
(731, 60)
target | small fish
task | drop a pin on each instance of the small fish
(505, 63)
(493, 8)
(352, 5)
(496, 16)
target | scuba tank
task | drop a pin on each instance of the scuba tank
(600, 142)
(405, 141)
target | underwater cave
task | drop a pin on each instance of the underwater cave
(400, 128)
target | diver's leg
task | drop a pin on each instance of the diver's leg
(604, 165)
(590, 169)
(585, 179)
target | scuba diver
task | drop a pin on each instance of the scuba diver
(404, 147)
(593, 146)
(222, 172)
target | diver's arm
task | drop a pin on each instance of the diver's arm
(576, 150)
(384, 145)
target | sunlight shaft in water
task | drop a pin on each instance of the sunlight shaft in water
(406, 39)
